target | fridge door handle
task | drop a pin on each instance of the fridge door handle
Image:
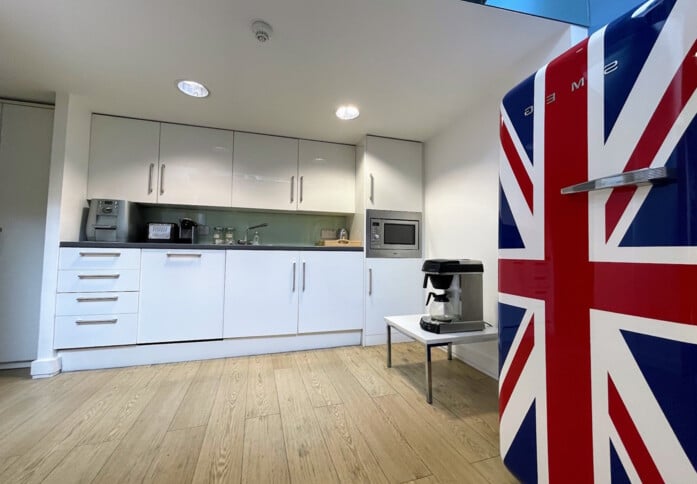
(645, 176)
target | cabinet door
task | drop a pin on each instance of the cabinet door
(123, 160)
(195, 166)
(181, 295)
(261, 293)
(331, 289)
(393, 174)
(393, 287)
(264, 172)
(327, 177)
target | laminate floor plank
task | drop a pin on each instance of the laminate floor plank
(446, 463)
(82, 464)
(283, 361)
(198, 402)
(307, 453)
(352, 458)
(262, 398)
(264, 451)
(495, 472)
(318, 385)
(175, 463)
(396, 458)
(220, 457)
(425, 480)
(136, 451)
(366, 375)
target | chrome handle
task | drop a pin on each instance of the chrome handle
(96, 321)
(372, 189)
(98, 276)
(162, 180)
(150, 172)
(370, 282)
(292, 189)
(175, 254)
(97, 299)
(303, 276)
(100, 254)
(293, 276)
(301, 189)
(105, 227)
(641, 177)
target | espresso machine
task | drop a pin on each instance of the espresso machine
(455, 304)
(112, 221)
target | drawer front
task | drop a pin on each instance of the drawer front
(95, 330)
(72, 258)
(99, 281)
(87, 303)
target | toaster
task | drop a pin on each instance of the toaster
(161, 231)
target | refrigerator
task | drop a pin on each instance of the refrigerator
(598, 257)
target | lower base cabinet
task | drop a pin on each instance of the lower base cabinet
(181, 296)
(289, 292)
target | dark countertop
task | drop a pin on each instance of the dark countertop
(171, 245)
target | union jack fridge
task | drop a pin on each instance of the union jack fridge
(598, 257)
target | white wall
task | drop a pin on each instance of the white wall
(461, 189)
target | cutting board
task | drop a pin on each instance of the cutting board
(340, 243)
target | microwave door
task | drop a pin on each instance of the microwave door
(400, 234)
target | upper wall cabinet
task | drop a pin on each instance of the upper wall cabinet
(195, 166)
(326, 177)
(393, 174)
(123, 159)
(264, 172)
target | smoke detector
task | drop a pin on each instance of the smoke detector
(262, 30)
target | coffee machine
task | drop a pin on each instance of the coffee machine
(458, 307)
(112, 221)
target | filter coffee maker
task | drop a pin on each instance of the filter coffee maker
(458, 305)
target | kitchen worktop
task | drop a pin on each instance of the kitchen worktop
(172, 245)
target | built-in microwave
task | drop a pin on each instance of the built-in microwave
(393, 234)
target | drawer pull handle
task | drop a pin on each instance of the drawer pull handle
(96, 321)
(98, 276)
(97, 299)
(100, 254)
(640, 177)
(173, 254)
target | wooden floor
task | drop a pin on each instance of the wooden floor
(317, 416)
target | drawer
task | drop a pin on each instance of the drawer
(95, 330)
(73, 258)
(99, 281)
(86, 303)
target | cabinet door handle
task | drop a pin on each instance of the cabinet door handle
(293, 276)
(96, 321)
(162, 180)
(97, 299)
(303, 276)
(100, 254)
(292, 189)
(176, 254)
(301, 189)
(644, 176)
(150, 172)
(372, 188)
(370, 282)
(98, 276)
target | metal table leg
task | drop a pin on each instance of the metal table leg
(429, 388)
(450, 351)
(389, 346)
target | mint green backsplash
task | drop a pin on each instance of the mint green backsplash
(283, 229)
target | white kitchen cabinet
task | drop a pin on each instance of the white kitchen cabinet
(181, 295)
(261, 293)
(123, 162)
(264, 172)
(393, 287)
(393, 174)
(326, 177)
(331, 285)
(195, 166)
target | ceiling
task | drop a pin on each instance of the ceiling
(411, 66)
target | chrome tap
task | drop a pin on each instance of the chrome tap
(246, 241)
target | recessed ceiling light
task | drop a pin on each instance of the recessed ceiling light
(347, 111)
(192, 88)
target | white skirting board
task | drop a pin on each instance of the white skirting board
(381, 339)
(15, 364)
(119, 356)
(482, 356)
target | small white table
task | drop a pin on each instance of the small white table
(409, 325)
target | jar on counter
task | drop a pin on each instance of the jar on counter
(218, 236)
(229, 236)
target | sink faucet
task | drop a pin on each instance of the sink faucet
(246, 241)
